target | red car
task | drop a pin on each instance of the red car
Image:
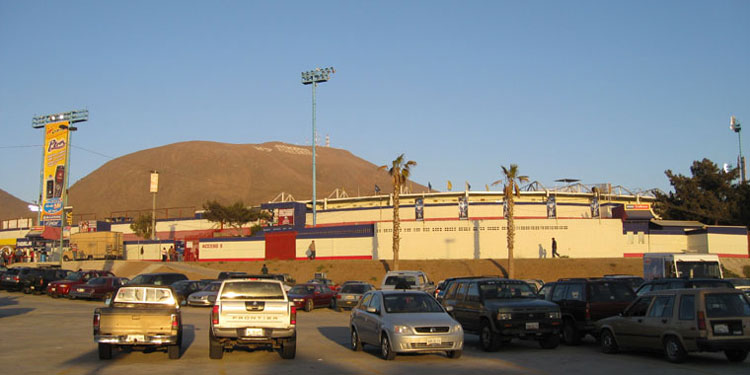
(310, 296)
(98, 287)
(61, 288)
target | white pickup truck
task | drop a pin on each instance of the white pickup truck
(253, 313)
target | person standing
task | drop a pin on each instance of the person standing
(164, 254)
(264, 270)
(554, 248)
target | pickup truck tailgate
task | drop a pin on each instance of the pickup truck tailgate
(244, 313)
(135, 321)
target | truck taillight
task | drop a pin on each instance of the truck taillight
(15, 278)
(175, 321)
(338, 296)
(215, 314)
(293, 315)
(701, 321)
(97, 319)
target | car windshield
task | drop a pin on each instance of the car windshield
(302, 289)
(252, 290)
(355, 289)
(410, 303)
(499, 290)
(611, 292)
(74, 276)
(727, 305)
(141, 279)
(97, 281)
(395, 280)
(213, 287)
(183, 284)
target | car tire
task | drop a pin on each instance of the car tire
(674, 350)
(215, 348)
(608, 342)
(736, 355)
(26, 291)
(309, 305)
(337, 308)
(105, 351)
(333, 304)
(570, 334)
(455, 354)
(550, 341)
(488, 340)
(174, 351)
(289, 348)
(386, 350)
(355, 342)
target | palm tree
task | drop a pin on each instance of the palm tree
(399, 171)
(512, 186)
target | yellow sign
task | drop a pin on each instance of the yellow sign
(56, 139)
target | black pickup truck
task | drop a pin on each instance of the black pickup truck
(500, 310)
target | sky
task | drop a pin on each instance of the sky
(602, 91)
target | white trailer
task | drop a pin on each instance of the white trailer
(664, 265)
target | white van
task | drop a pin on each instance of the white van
(664, 265)
(414, 280)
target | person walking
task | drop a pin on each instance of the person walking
(264, 270)
(164, 254)
(554, 248)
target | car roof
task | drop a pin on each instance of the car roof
(692, 291)
(400, 291)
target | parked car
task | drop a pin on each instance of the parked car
(499, 310)
(350, 294)
(61, 288)
(203, 296)
(634, 281)
(37, 281)
(680, 321)
(399, 321)
(98, 288)
(223, 275)
(12, 278)
(327, 282)
(445, 284)
(252, 313)
(741, 284)
(26, 279)
(163, 278)
(310, 296)
(183, 288)
(413, 280)
(284, 278)
(682, 283)
(584, 301)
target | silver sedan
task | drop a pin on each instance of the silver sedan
(201, 297)
(404, 322)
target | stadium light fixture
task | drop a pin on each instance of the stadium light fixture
(735, 126)
(313, 77)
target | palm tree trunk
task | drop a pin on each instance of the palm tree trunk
(396, 225)
(511, 237)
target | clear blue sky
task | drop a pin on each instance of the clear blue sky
(602, 91)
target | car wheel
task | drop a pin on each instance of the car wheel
(289, 348)
(674, 351)
(215, 348)
(386, 351)
(455, 354)
(26, 291)
(736, 355)
(174, 351)
(550, 341)
(488, 340)
(309, 305)
(333, 303)
(570, 333)
(105, 351)
(356, 343)
(609, 345)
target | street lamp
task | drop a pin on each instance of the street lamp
(736, 127)
(64, 121)
(314, 77)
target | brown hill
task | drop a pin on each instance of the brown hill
(13, 208)
(191, 173)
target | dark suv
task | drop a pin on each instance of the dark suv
(502, 309)
(12, 278)
(674, 283)
(165, 278)
(36, 282)
(584, 301)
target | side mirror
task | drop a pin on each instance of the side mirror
(212, 299)
(372, 310)
(449, 308)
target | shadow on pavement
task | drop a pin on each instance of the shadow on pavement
(188, 336)
(8, 301)
(339, 335)
(4, 313)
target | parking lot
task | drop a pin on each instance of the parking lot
(39, 334)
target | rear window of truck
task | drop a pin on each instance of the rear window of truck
(252, 290)
(146, 295)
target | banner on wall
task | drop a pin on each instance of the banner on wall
(285, 216)
(595, 207)
(419, 209)
(53, 172)
(463, 208)
(551, 207)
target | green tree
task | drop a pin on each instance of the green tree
(399, 171)
(709, 196)
(512, 185)
(141, 226)
(235, 215)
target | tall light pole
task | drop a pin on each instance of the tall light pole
(154, 188)
(56, 196)
(735, 125)
(314, 77)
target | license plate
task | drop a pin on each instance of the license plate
(721, 329)
(53, 289)
(349, 297)
(136, 338)
(80, 290)
(253, 331)
(434, 341)
(532, 325)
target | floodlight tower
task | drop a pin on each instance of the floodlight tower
(736, 127)
(314, 77)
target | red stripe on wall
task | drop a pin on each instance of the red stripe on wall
(350, 257)
(231, 259)
(632, 255)
(640, 255)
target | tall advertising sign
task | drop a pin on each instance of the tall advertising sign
(53, 172)
(463, 208)
(419, 209)
(551, 208)
(595, 207)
